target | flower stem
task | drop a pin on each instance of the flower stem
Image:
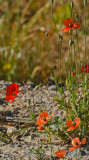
(48, 50)
(59, 41)
(50, 143)
(85, 4)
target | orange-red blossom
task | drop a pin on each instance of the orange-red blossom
(60, 153)
(73, 124)
(68, 22)
(85, 68)
(73, 73)
(43, 118)
(11, 92)
(76, 143)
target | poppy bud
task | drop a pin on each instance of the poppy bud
(73, 73)
(85, 3)
(70, 42)
(54, 67)
(72, 4)
(77, 17)
(60, 37)
(46, 34)
(70, 32)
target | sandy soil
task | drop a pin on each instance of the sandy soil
(17, 121)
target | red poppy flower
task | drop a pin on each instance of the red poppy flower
(11, 92)
(76, 143)
(85, 68)
(73, 124)
(73, 73)
(60, 153)
(68, 22)
(43, 118)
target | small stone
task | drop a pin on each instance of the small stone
(10, 129)
(46, 146)
(53, 88)
(27, 139)
(53, 127)
(19, 145)
(1, 106)
(1, 151)
(4, 86)
(78, 151)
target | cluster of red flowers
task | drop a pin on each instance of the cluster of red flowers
(68, 22)
(11, 93)
(85, 68)
(44, 118)
(76, 143)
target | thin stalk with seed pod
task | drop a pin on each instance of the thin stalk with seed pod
(71, 32)
(48, 50)
(51, 148)
(59, 42)
(78, 49)
(85, 5)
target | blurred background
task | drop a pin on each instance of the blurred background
(28, 36)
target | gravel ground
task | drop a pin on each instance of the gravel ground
(23, 133)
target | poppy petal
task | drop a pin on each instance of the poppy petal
(12, 88)
(51, 115)
(76, 25)
(72, 149)
(83, 141)
(75, 140)
(8, 91)
(77, 121)
(40, 122)
(69, 123)
(43, 114)
(68, 21)
(66, 29)
(60, 153)
(8, 98)
(71, 128)
(11, 92)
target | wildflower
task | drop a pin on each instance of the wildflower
(43, 118)
(60, 153)
(76, 143)
(11, 92)
(73, 124)
(73, 73)
(68, 22)
(85, 68)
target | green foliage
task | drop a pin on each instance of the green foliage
(4, 137)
